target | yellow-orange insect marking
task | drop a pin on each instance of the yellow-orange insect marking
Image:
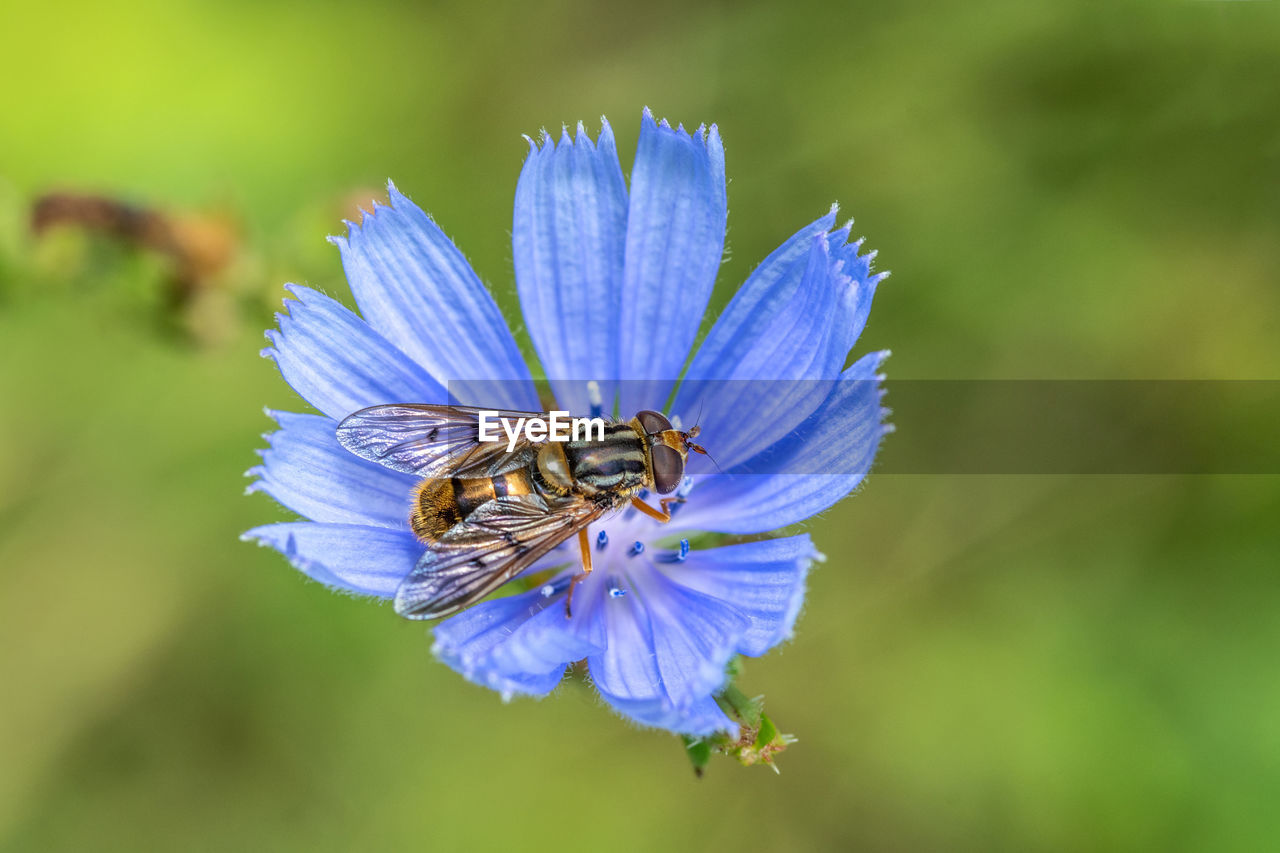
(664, 514)
(584, 545)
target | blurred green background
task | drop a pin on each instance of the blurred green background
(1061, 190)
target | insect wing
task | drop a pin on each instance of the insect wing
(494, 544)
(434, 442)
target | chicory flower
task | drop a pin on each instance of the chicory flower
(613, 283)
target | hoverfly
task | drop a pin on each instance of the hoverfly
(486, 513)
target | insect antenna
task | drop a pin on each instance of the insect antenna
(693, 432)
(698, 448)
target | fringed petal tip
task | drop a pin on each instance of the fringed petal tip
(272, 351)
(785, 631)
(706, 136)
(398, 201)
(302, 294)
(342, 241)
(850, 263)
(874, 361)
(568, 242)
(409, 280)
(307, 471)
(299, 296)
(847, 253)
(336, 362)
(395, 201)
(676, 217)
(547, 144)
(258, 473)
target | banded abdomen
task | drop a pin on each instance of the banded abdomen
(440, 504)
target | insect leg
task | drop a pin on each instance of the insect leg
(585, 547)
(664, 514)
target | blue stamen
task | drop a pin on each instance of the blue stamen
(602, 540)
(556, 586)
(637, 548)
(686, 486)
(595, 398)
(673, 557)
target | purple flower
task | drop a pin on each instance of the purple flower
(613, 285)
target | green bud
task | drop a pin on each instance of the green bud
(759, 739)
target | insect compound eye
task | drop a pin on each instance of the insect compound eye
(653, 422)
(668, 469)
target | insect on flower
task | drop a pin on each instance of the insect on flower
(400, 497)
(487, 512)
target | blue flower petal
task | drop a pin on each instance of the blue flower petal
(675, 239)
(363, 560)
(568, 239)
(649, 654)
(307, 471)
(414, 286)
(548, 638)
(338, 363)
(700, 719)
(595, 265)
(784, 485)
(514, 644)
(782, 339)
(626, 668)
(474, 632)
(694, 636)
(747, 319)
(763, 580)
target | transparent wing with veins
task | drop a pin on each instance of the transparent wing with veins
(494, 544)
(435, 442)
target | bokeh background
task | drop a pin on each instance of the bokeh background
(1081, 190)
